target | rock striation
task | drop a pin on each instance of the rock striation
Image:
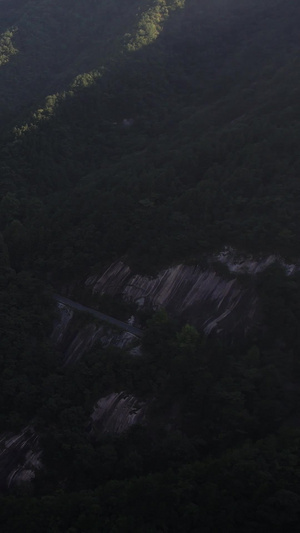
(65, 315)
(20, 458)
(116, 413)
(73, 339)
(195, 294)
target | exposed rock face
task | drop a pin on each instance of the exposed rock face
(199, 296)
(241, 264)
(60, 327)
(117, 412)
(74, 339)
(212, 301)
(20, 458)
(89, 335)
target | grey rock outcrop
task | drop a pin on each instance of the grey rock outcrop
(117, 412)
(73, 339)
(20, 458)
(65, 315)
(239, 263)
(197, 295)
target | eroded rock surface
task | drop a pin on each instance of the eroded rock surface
(197, 295)
(20, 458)
(117, 412)
(61, 325)
(238, 263)
(74, 339)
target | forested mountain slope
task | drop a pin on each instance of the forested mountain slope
(208, 156)
(156, 131)
(53, 42)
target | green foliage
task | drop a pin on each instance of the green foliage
(187, 338)
(197, 168)
(7, 48)
(187, 143)
(151, 22)
(26, 322)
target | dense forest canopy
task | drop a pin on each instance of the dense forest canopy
(158, 131)
(209, 155)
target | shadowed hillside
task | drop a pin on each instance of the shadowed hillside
(191, 139)
(147, 149)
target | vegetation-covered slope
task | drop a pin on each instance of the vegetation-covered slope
(55, 41)
(158, 130)
(209, 157)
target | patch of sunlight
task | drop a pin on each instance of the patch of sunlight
(82, 81)
(147, 30)
(7, 48)
(85, 80)
(151, 23)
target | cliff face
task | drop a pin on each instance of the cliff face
(238, 263)
(211, 297)
(199, 296)
(116, 413)
(202, 296)
(73, 339)
(20, 458)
